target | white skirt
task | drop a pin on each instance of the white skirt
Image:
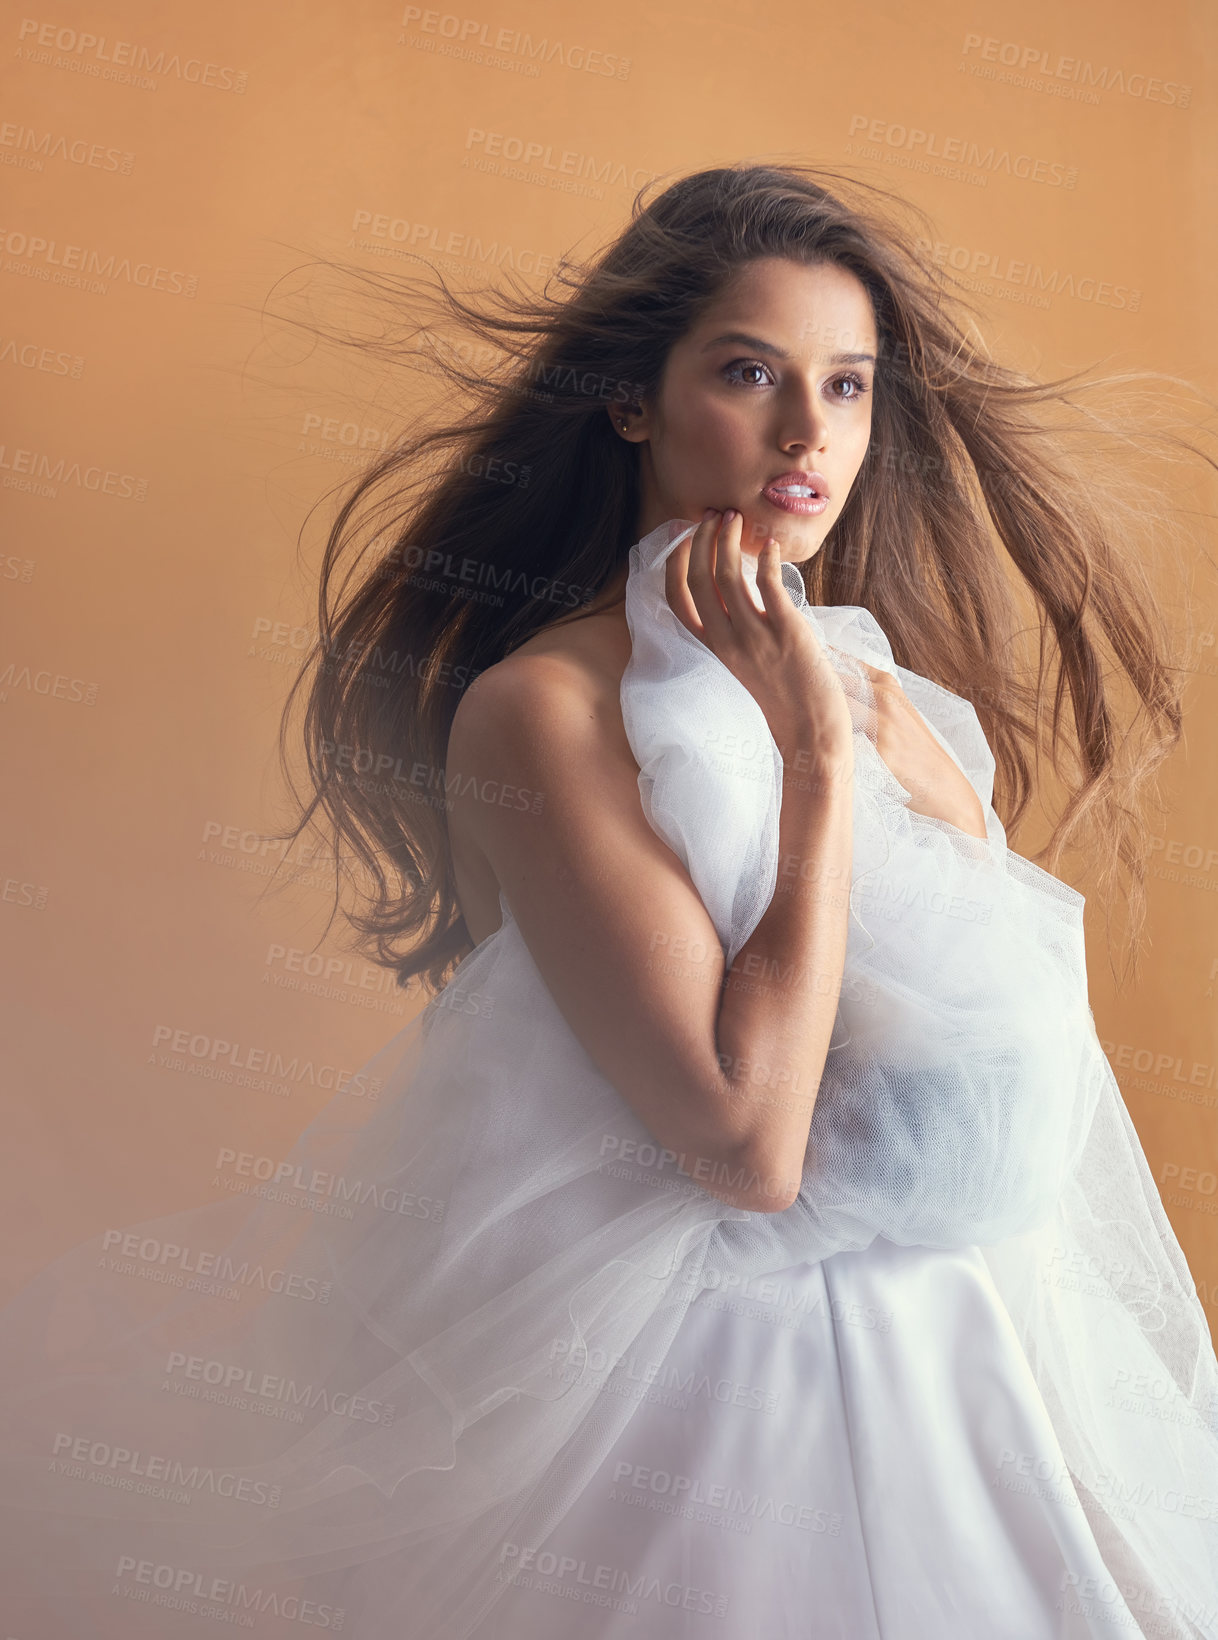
(852, 1450)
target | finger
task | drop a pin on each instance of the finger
(676, 587)
(774, 594)
(881, 679)
(781, 610)
(729, 572)
(700, 578)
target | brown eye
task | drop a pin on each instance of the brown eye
(744, 364)
(856, 382)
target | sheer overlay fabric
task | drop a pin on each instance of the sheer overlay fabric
(371, 1381)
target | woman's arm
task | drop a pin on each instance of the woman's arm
(724, 1074)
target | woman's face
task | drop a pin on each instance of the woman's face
(773, 383)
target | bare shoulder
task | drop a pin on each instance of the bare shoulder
(509, 694)
(554, 691)
(538, 763)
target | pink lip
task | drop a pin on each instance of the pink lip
(806, 504)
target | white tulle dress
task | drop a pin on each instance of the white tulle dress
(479, 1361)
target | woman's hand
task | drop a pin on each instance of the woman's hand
(778, 657)
(774, 652)
(938, 787)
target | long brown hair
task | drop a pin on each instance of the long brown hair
(995, 560)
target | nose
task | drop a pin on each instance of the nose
(803, 423)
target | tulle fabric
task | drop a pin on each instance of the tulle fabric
(361, 1386)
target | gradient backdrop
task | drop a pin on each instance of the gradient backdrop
(163, 443)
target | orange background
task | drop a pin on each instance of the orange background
(162, 446)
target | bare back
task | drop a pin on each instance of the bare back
(591, 655)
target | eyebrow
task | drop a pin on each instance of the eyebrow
(745, 340)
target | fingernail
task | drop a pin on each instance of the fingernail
(730, 514)
(708, 514)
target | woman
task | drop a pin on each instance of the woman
(749, 1236)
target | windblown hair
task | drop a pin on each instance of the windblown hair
(970, 528)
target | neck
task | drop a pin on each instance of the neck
(612, 592)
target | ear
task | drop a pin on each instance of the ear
(629, 421)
